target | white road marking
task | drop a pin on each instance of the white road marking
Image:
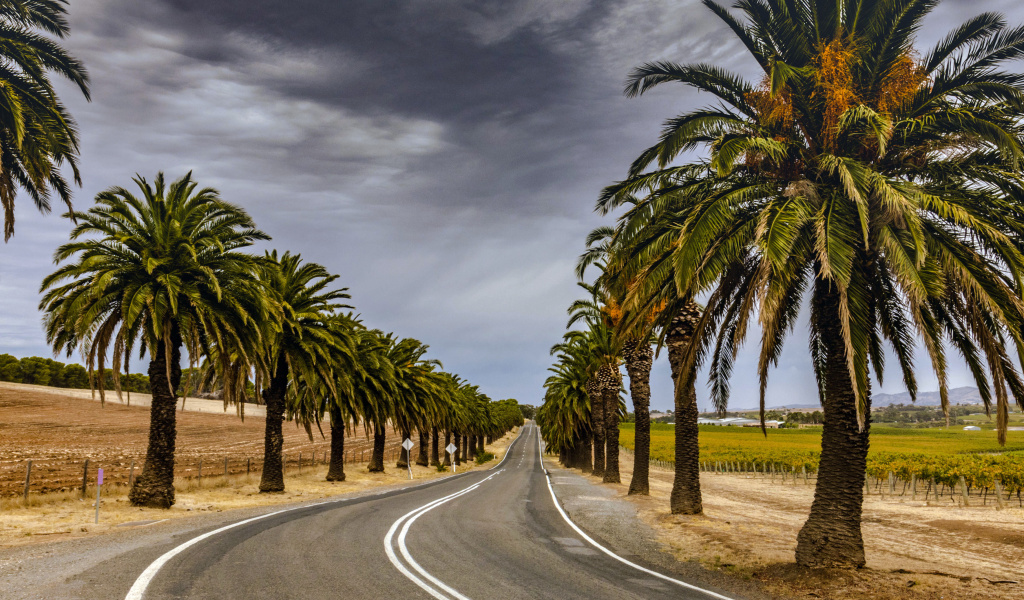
(138, 589)
(558, 506)
(406, 521)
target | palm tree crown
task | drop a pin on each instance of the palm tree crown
(37, 135)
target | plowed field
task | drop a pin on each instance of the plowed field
(59, 431)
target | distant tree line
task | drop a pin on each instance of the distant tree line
(901, 414)
(45, 371)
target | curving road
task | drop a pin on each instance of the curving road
(483, 535)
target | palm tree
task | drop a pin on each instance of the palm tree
(37, 135)
(162, 271)
(634, 343)
(312, 398)
(300, 343)
(884, 186)
(601, 317)
(564, 417)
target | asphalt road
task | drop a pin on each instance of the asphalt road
(484, 535)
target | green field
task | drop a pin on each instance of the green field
(946, 454)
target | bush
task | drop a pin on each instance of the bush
(483, 457)
(441, 468)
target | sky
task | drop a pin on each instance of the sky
(442, 157)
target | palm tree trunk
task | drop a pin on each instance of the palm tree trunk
(586, 453)
(403, 454)
(686, 497)
(597, 424)
(639, 357)
(377, 456)
(480, 449)
(472, 446)
(435, 457)
(457, 440)
(447, 442)
(464, 449)
(272, 479)
(831, 536)
(610, 392)
(572, 454)
(336, 470)
(155, 486)
(421, 457)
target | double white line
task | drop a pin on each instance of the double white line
(435, 587)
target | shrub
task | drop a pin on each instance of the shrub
(483, 457)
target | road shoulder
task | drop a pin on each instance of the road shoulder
(605, 514)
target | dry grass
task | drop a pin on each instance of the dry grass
(914, 551)
(65, 515)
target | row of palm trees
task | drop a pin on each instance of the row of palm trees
(165, 270)
(876, 185)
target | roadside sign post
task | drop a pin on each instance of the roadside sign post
(407, 444)
(451, 453)
(99, 483)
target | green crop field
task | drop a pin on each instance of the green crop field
(946, 454)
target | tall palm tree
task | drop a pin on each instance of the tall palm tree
(162, 271)
(564, 418)
(634, 343)
(300, 343)
(311, 398)
(881, 183)
(578, 364)
(601, 315)
(37, 134)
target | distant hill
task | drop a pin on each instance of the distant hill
(960, 395)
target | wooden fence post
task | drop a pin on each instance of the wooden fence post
(200, 472)
(913, 486)
(225, 466)
(300, 463)
(248, 465)
(963, 491)
(999, 495)
(28, 477)
(85, 476)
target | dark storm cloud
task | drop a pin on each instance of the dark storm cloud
(443, 157)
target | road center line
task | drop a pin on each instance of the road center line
(407, 520)
(558, 506)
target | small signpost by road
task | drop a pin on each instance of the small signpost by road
(407, 444)
(451, 452)
(99, 483)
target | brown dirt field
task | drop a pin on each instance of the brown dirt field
(59, 431)
(64, 516)
(915, 551)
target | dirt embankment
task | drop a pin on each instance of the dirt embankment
(914, 550)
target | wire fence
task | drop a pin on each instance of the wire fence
(890, 487)
(50, 475)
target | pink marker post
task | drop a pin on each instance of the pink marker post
(99, 482)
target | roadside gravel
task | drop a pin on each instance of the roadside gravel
(614, 523)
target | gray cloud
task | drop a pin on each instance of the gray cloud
(443, 157)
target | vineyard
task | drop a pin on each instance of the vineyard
(942, 455)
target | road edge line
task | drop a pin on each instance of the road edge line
(561, 511)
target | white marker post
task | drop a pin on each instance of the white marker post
(407, 444)
(451, 453)
(99, 482)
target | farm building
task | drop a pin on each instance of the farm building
(972, 428)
